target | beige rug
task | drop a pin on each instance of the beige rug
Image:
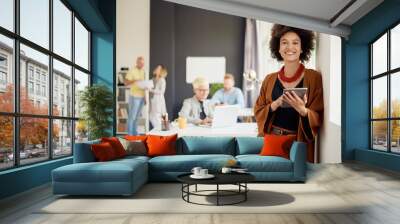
(166, 198)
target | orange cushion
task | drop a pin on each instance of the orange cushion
(103, 152)
(116, 145)
(136, 137)
(277, 145)
(161, 145)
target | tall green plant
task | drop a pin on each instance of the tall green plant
(96, 102)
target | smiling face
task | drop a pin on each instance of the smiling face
(290, 47)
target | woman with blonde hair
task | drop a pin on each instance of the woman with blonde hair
(157, 99)
(198, 109)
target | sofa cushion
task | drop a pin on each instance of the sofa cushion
(185, 163)
(161, 145)
(116, 145)
(249, 145)
(134, 147)
(257, 163)
(112, 171)
(136, 137)
(193, 145)
(277, 145)
(103, 152)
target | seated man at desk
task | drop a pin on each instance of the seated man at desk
(198, 109)
(229, 95)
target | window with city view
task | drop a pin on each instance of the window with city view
(43, 69)
(385, 96)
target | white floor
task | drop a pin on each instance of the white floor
(377, 189)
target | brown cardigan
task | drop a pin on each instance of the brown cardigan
(315, 104)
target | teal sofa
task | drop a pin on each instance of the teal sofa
(125, 176)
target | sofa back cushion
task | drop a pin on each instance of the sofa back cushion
(116, 145)
(104, 152)
(193, 145)
(83, 153)
(134, 147)
(161, 145)
(249, 145)
(142, 138)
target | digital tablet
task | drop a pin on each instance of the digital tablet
(299, 91)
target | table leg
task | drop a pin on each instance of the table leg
(188, 193)
(245, 193)
(217, 194)
(196, 188)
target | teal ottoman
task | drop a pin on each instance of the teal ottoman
(118, 177)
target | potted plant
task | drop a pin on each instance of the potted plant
(96, 102)
(215, 87)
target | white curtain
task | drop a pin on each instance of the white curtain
(251, 62)
(267, 64)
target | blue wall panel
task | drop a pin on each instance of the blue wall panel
(24, 178)
(377, 158)
(356, 84)
(102, 58)
(103, 62)
(103, 51)
(357, 100)
(89, 11)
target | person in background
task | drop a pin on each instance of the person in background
(229, 95)
(198, 109)
(136, 97)
(157, 99)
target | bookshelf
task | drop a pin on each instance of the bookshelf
(122, 109)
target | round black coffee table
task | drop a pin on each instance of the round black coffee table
(238, 179)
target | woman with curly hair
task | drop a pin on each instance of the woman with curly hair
(303, 118)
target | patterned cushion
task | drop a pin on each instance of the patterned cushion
(134, 147)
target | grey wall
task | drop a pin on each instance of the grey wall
(177, 32)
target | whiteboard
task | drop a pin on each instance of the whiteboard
(212, 68)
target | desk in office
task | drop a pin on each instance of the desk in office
(247, 114)
(238, 130)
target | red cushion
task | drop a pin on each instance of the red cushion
(136, 137)
(161, 145)
(277, 145)
(103, 152)
(116, 145)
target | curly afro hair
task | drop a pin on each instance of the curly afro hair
(307, 41)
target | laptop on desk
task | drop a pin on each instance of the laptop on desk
(224, 116)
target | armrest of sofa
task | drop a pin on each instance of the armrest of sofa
(83, 152)
(298, 155)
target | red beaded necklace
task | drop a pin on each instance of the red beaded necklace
(296, 76)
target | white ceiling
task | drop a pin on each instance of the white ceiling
(326, 16)
(320, 9)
